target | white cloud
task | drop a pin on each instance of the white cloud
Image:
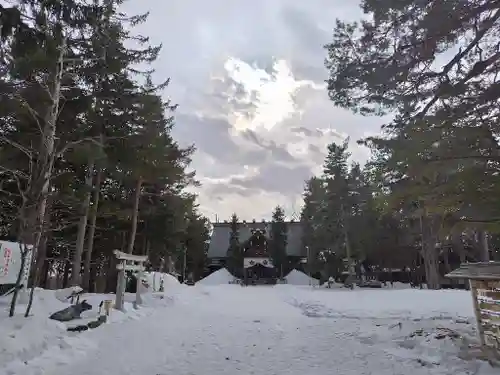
(249, 80)
(272, 93)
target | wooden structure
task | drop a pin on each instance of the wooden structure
(484, 280)
(258, 267)
(128, 262)
(219, 242)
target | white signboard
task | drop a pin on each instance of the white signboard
(10, 262)
(250, 262)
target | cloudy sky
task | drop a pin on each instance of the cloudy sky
(249, 80)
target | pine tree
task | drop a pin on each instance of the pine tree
(313, 223)
(362, 212)
(235, 250)
(376, 235)
(40, 103)
(196, 240)
(337, 198)
(110, 127)
(439, 150)
(278, 241)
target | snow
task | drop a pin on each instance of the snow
(296, 277)
(381, 303)
(154, 280)
(214, 329)
(219, 277)
(42, 342)
(64, 294)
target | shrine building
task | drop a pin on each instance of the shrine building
(253, 236)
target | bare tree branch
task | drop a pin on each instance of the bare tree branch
(459, 56)
(16, 145)
(34, 114)
(70, 145)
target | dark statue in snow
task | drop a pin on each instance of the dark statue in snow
(71, 312)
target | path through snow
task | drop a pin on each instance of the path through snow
(228, 329)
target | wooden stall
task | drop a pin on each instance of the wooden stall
(484, 280)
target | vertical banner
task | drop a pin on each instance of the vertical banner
(10, 262)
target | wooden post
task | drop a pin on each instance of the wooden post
(120, 288)
(477, 311)
(138, 299)
(107, 306)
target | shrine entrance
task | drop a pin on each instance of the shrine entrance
(259, 271)
(258, 267)
(128, 262)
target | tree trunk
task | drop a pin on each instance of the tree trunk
(90, 239)
(92, 288)
(111, 274)
(144, 240)
(484, 251)
(429, 252)
(458, 245)
(46, 157)
(40, 261)
(45, 274)
(42, 248)
(15, 294)
(431, 263)
(135, 215)
(446, 258)
(348, 248)
(123, 237)
(67, 269)
(82, 225)
(147, 246)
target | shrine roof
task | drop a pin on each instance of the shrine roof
(477, 271)
(219, 241)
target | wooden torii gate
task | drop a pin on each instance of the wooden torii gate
(128, 262)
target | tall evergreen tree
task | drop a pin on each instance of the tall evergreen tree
(279, 241)
(41, 78)
(235, 250)
(378, 237)
(81, 127)
(441, 138)
(196, 241)
(312, 219)
(337, 196)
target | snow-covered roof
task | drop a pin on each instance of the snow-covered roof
(477, 271)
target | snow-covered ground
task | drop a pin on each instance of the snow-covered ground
(218, 277)
(155, 279)
(228, 329)
(296, 277)
(223, 276)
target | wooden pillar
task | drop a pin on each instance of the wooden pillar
(477, 311)
(128, 262)
(120, 289)
(138, 289)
